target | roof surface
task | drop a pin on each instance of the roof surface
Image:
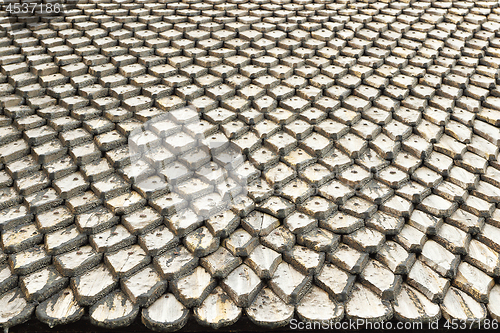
(308, 159)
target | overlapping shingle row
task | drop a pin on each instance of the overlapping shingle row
(323, 159)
